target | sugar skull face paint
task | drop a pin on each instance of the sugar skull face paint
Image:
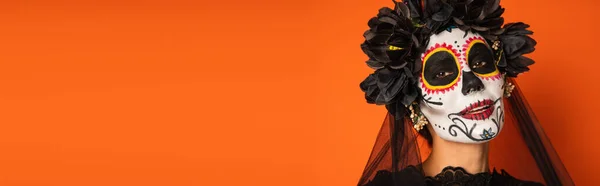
(461, 87)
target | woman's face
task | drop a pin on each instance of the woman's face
(461, 87)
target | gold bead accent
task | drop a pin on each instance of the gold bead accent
(419, 121)
(508, 88)
(496, 45)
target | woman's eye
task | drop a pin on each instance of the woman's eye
(479, 64)
(441, 75)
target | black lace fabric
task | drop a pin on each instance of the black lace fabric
(449, 176)
(458, 176)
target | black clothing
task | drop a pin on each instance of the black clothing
(450, 176)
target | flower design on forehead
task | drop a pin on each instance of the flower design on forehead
(494, 75)
(443, 47)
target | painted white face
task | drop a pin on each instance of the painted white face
(462, 88)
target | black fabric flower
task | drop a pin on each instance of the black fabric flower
(433, 14)
(515, 42)
(483, 16)
(390, 38)
(387, 86)
(391, 47)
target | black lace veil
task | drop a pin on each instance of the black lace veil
(522, 149)
(394, 41)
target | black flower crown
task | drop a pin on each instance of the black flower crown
(396, 37)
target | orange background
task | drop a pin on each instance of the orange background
(261, 92)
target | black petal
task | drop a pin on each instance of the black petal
(369, 87)
(515, 43)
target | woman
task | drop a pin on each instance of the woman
(444, 69)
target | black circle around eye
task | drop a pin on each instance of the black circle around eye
(438, 63)
(481, 59)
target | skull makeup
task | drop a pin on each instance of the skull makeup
(462, 88)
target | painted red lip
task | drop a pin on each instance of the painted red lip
(479, 110)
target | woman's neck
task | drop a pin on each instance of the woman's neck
(472, 157)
